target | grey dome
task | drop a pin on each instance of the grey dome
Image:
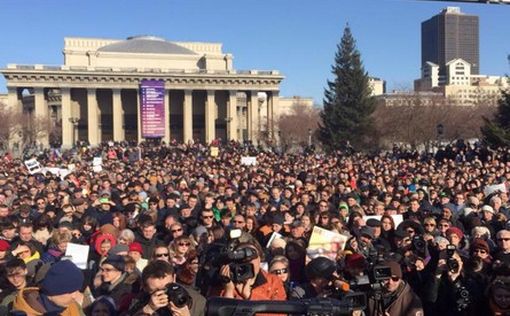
(147, 45)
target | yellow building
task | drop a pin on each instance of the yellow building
(104, 91)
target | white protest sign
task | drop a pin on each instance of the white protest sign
(52, 170)
(325, 243)
(33, 166)
(273, 237)
(97, 161)
(79, 254)
(248, 161)
(63, 173)
(488, 190)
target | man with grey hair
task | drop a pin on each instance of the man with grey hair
(503, 239)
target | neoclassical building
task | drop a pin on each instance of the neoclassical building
(145, 87)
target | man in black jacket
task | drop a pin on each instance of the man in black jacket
(154, 300)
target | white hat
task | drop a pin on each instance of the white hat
(488, 208)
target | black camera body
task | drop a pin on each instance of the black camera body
(372, 280)
(238, 260)
(451, 262)
(419, 244)
(178, 295)
(239, 263)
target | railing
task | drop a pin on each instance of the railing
(145, 70)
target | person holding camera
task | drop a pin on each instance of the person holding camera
(397, 296)
(162, 296)
(259, 286)
(452, 291)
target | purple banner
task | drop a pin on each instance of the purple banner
(152, 108)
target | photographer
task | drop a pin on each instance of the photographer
(161, 296)
(452, 291)
(261, 286)
(320, 273)
(397, 297)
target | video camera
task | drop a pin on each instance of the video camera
(372, 279)
(227, 253)
(218, 306)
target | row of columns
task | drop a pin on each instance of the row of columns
(93, 110)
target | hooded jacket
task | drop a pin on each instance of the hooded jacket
(28, 301)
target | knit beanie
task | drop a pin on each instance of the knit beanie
(456, 231)
(63, 277)
(480, 244)
(115, 261)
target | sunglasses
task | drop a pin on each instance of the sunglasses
(159, 255)
(280, 271)
(239, 222)
(176, 230)
(395, 279)
(503, 239)
(427, 224)
(187, 244)
(444, 225)
(208, 217)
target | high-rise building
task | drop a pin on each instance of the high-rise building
(450, 35)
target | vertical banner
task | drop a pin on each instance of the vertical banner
(152, 108)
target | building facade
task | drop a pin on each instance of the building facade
(97, 94)
(450, 35)
(459, 85)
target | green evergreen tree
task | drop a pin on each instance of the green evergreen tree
(496, 132)
(348, 103)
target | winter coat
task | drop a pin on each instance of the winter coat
(28, 301)
(405, 303)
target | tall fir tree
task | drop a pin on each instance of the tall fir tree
(496, 132)
(348, 104)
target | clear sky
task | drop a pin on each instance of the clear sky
(296, 37)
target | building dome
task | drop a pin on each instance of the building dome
(146, 45)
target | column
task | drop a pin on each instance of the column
(272, 102)
(118, 113)
(167, 117)
(138, 117)
(93, 117)
(232, 116)
(253, 104)
(188, 116)
(210, 117)
(41, 116)
(13, 99)
(67, 125)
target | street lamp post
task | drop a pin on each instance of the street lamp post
(309, 137)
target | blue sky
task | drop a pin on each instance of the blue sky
(296, 37)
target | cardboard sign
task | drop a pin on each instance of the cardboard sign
(248, 161)
(215, 151)
(78, 254)
(33, 166)
(325, 243)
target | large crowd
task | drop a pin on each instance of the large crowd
(162, 229)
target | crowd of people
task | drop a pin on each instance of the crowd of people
(169, 227)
